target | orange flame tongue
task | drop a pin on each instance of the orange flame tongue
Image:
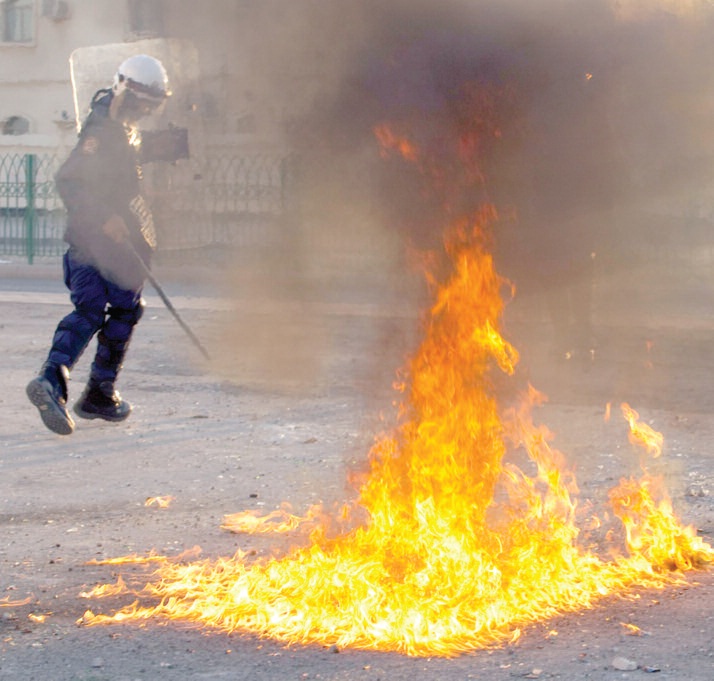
(641, 433)
(448, 453)
(651, 528)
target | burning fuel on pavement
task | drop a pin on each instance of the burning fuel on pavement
(449, 547)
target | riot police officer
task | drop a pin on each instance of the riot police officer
(109, 227)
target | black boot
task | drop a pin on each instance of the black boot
(48, 392)
(101, 401)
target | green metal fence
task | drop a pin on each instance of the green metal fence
(31, 213)
(231, 200)
(214, 200)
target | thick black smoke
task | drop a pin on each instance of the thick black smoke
(591, 120)
(601, 136)
(599, 107)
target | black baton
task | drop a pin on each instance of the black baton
(167, 302)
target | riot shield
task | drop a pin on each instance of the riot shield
(166, 135)
(93, 68)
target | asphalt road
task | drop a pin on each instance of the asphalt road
(285, 410)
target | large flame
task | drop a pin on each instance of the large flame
(450, 548)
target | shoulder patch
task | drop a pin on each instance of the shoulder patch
(90, 145)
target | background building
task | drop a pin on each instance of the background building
(259, 63)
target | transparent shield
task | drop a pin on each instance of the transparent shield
(93, 68)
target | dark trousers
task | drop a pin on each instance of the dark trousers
(100, 307)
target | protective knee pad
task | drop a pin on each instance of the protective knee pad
(73, 334)
(121, 321)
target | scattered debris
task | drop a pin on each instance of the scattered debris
(161, 501)
(634, 630)
(697, 491)
(624, 665)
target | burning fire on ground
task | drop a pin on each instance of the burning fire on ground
(448, 547)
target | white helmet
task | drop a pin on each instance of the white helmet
(144, 76)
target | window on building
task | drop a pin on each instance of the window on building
(146, 18)
(17, 20)
(15, 125)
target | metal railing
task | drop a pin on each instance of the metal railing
(229, 200)
(31, 213)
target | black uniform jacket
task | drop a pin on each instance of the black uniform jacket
(100, 179)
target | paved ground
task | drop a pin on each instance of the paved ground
(286, 408)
